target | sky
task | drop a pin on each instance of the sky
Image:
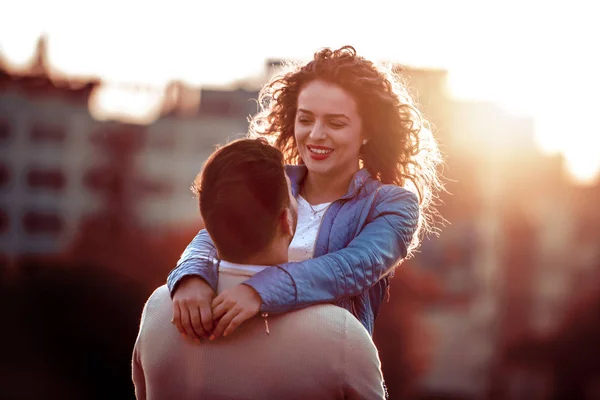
(531, 57)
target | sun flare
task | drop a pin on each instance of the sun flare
(491, 52)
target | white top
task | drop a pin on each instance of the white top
(309, 221)
(226, 267)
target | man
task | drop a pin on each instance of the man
(321, 352)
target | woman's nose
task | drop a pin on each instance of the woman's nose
(318, 131)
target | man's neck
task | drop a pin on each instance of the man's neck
(232, 273)
(274, 254)
(240, 269)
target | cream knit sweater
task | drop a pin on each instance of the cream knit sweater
(321, 352)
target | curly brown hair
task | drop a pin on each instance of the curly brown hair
(401, 149)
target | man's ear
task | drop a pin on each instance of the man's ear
(286, 222)
(202, 225)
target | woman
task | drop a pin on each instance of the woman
(363, 168)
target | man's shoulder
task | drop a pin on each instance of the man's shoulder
(159, 298)
(327, 318)
(160, 293)
(330, 310)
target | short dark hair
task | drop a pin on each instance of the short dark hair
(242, 191)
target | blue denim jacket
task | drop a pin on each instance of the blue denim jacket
(363, 236)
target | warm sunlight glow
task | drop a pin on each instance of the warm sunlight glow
(566, 119)
(137, 106)
(520, 60)
(584, 166)
(18, 51)
(578, 141)
(560, 94)
(511, 91)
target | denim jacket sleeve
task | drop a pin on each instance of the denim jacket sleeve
(197, 259)
(373, 253)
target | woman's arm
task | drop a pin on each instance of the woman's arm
(192, 285)
(379, 247)
(198, 259)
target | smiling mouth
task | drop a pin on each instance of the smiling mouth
(319, 150)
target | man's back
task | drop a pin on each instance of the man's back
(321, 352)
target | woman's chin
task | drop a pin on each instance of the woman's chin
(318, 167)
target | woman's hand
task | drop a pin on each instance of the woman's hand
(192, 312)
(234, 306)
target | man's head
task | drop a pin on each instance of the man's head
(245, 199)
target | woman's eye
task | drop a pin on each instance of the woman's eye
(304, 120)
(337, 125)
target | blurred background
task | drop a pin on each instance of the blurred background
(108, 111)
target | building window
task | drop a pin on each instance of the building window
(47, 133)
(39, 222)
(121, 139)
(218, 107)
(102, 178)
(4, 222)
(5, 132)
(47, 179)
(4, 175)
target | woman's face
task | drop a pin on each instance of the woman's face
(328, 129)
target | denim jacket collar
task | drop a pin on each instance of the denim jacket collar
(297, 174)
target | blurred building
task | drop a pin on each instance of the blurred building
(467, 257)
(522, 241)
(44, 152)
(57, 162)
(175, 149)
